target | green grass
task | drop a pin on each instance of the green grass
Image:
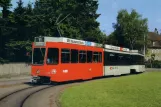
(142, 90)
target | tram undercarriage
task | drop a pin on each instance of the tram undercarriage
(40, 80)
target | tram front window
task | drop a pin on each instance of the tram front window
(38, 55)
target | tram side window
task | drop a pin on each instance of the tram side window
(82, 56)
(106, 58)
(74, 56)
(113, 58)
(137, 59)
(65, 55)
(123, 59)
(89, 56)
(120, 59)
(141, 60)
(100, 56)
(53, 56)
(95, 57)
(133, 59)
(128, 60)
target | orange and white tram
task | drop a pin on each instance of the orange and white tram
(59, 59)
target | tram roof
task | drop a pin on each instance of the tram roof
(135, 52)
(41, 41)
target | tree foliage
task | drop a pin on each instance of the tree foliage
(0, 14)
(156, 31)
(68, 18)
(131, 29)
(5, 4)
(74, 18)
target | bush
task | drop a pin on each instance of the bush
(155, 64)
(2, 61)
(148, 65)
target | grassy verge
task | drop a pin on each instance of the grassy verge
(142, 90)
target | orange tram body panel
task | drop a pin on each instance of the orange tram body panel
(71, 62)
(59, 59)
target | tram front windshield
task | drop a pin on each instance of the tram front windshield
(38, 55)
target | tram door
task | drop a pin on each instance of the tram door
(97, 64)
(90, 67)
(85, 65)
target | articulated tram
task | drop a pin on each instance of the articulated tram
(59, 59)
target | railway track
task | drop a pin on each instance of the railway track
(10, 93)
(17, 98)
(35, 96)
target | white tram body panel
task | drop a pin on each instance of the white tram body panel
(137, 67)
(116, 70)
(119, 68)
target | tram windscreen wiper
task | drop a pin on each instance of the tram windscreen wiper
(41, 52)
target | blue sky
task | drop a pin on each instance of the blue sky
(147, 8)
(108, 9)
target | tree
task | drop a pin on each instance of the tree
(20, 41)
(74, 18)
(131, 29)
(156, 31)
(0, 14)
(68, 18)
(5, 4)
(111, 39)
(4, 29)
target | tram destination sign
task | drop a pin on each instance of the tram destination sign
(73, 41)
(66, 40)
(112, 47)
(116, 48)
(81, 42)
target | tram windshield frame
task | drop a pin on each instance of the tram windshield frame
(38, 56)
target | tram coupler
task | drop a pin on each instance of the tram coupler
(35, 79)
(45, 80)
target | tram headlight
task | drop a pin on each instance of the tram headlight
(38, 71)
(53, 71)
